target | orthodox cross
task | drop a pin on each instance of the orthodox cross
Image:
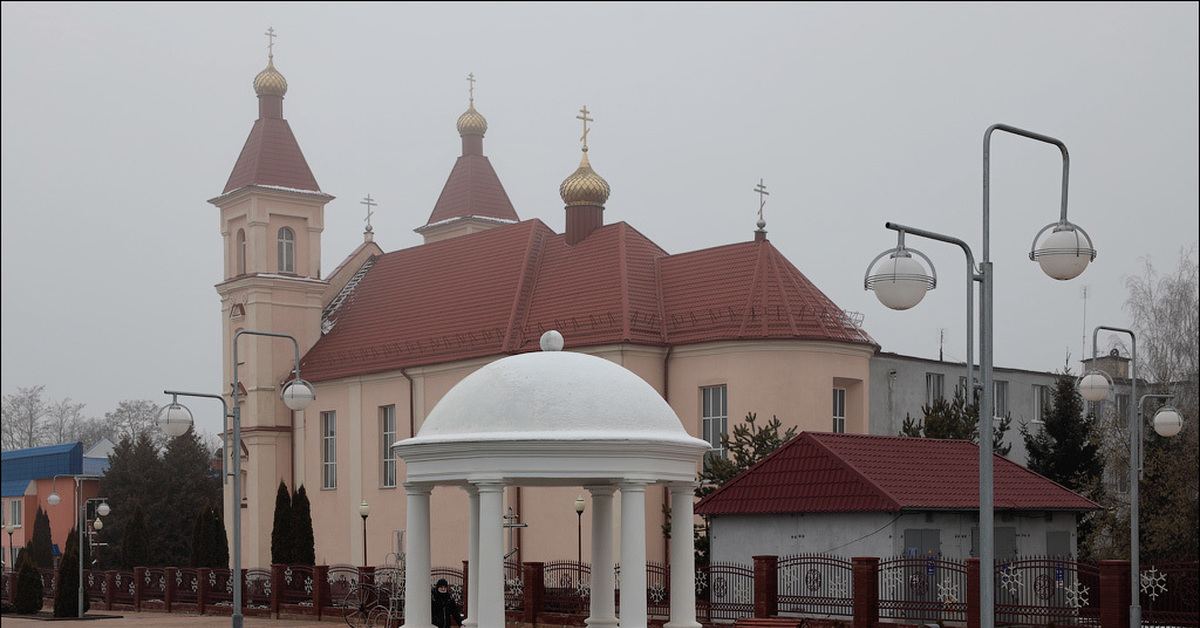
(270, 41)
(762, 197)
(471, 80)
(511, 521)
(369, 202)
(585, 119)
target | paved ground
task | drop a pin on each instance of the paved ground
(115, 619)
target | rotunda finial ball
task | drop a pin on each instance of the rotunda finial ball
(552, 341)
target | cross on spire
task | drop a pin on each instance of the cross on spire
(271, 41)
(585, 119)
(471, 89)
(370, 203)
(762, 197)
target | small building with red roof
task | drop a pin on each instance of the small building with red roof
(865, 495)
(718, 332)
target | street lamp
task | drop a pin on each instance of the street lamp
(363, 511)
(175, 419)
(55, 499)
(579, 505)
(1064, 254)
(1094, 386)
(12, 551)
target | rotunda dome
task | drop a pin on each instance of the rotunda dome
(471, 122)
(584, 186)
(553, 395)
(270, 82)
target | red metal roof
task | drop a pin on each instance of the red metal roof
(822, 472)
(473, 189)
(271, 156)
(495, 292)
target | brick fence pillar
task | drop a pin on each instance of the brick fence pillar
(766, 586)
(276, 588)
(1114, 593)
(110, 589)
(974, 605)
(139, 585)
(865, 574)
(170, 587)
(535, 590)
(202, 589)
(321, 591)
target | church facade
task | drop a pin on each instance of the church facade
(718, 332)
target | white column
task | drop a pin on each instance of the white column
(490, 573)
(633, 554)
(416, 565)
(472, 620)
(683, 559)
(603, 611)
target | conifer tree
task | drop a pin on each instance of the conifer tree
(66, 589)
(135, 477)
(28, 596)
(282, 539)
(189, 480)
(135, 542)
(958, 420)
(198, 557)
(304, 542)
(218, 539)
(43, 547)
(1063, 449)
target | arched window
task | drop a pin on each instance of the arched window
(241, 252)
(287, 251)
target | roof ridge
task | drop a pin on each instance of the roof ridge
(535, 246)
(879, 490)
(623, 270)
(779, 278)
(755, 284)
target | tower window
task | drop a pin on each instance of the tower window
(387, 425)
(287, 251)
(241, 252)
(328, 450)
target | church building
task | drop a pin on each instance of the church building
(718, 332)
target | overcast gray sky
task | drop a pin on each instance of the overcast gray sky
(120, 121)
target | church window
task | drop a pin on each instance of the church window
(387, 426)
(714, 420)
(839, 410)
(287, 251)
(328, 450)
(14, 506)
(241, 252)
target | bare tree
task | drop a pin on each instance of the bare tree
(134, 417)
(24, 418)
(62, 417)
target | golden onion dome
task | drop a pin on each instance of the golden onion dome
(584, 186)
(471, 122)
(270, 82)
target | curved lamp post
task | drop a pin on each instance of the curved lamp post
(102, 510)
(363, 511)
(1094, 386)
(1064, 254)
(175, 420)
(579, 506)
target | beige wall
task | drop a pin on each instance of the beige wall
(789, 379)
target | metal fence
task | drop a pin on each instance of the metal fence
(816, 585)
(724, 591)
(923, 589)
(568, 587)
(1170, 594)
(1037, 590)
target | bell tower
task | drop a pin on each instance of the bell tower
(272, 213)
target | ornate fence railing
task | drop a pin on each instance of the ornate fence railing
(1170, 594)
(919, 590)
(816, 585)
(1031, 591)
(568, 587)
(724, 591)
(1039, 590)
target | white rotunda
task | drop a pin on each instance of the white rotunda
(553, 418)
